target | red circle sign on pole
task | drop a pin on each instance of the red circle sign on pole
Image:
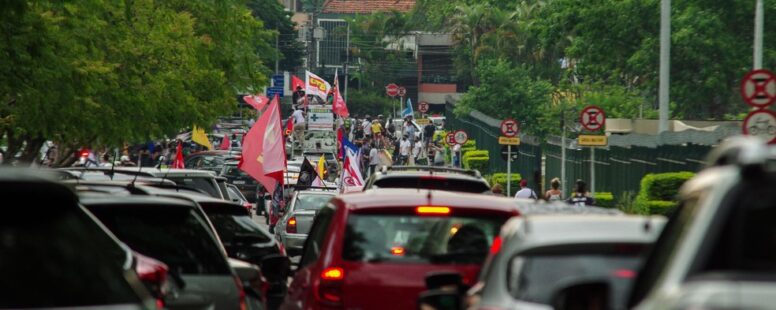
(423, 107)
(758, 88)
(450, 138)
(761, 123)
(402, 91)
(461, 137)
(510, 127)
(592, 118)
(392, 90)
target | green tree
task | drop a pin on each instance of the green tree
(274, 16)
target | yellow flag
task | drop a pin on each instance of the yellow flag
(199, 136)
(321, 169)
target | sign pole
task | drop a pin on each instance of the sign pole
(509, 170)
(563, 156)
(592, 171)
(758, 35)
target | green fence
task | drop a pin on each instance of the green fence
(617, 169)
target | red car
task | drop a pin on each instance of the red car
(373, 250)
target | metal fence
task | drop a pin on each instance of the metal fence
(617, 169)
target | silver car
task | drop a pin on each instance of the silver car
(547, 261)
(292, 228)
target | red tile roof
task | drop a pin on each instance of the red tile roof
(367, 6)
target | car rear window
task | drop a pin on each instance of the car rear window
(234, 171)
(174, 235)
(58, 258)
(541, 276)
(440, 183)
(311, 202)
(419, 239)
(204, 184)
(234, 228)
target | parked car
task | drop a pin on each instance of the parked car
(54, 254)
(292, 228)
(372, 250)
(198, 179)
(210, 160)
(172, 231)
(717, 252)
(424, 177)
(237, 197)
(247, 185)
(555, 260)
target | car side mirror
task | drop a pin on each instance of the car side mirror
(276, 268)
(439, 300)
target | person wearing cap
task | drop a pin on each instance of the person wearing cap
(525, 192)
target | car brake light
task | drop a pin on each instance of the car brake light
(291, 225)
(625, 273)
(333, 274)
(243, 305)
(397, 251)
(432, 210)
(153, 274)
(496, 246)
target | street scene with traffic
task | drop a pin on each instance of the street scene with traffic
(388, 154)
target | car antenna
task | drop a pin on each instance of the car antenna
(113, 164)
(648, 224)
(139, 167)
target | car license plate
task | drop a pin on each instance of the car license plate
(238, 182)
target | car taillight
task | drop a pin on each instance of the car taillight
(432, 210)
(243, 305)
(153, 274)
(330, 291)
(625, 273)
(496, 246)
(291, 225)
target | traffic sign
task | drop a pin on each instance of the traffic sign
(392, 90)
(762, 124)
(592, 118)
(278, 80)
(592, 140)
(509, 140)
(758, 88)
(423, 107)
(450, 138)
(461, 137)
(506, 152)
(275, 90)
(422, 121)
(509, 128)
(402, 91)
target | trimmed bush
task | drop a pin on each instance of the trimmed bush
(468, 149)
(604, 200)
(479, 163)
(657, 194)
(476, 153)
(440, 136)
(501, 178)
(470, 143)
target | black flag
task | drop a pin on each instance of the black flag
(307, 175)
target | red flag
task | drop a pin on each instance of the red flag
(178, 162)
(339, 143)
(225, 143)
(252, 161)
(257, 102)
(289, 125)
(274, 150)
(338, 106)
(296, 82)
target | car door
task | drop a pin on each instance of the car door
(299, 292)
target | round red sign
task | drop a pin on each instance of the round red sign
(402, 91)
(450, 138)
(392, 90)
(461, 137)
(762, 124)
(592, 118)
(758, 88)
(423, 107)
(510, 127)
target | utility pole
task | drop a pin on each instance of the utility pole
(277, 51)
(563, 149)
(665, 63)
(758, 35)
(347, 62)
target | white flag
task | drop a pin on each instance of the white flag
(315, 85)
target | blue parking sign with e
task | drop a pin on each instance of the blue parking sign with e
(278, 80)
(272, 91)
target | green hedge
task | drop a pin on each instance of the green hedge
(478, 163)
(658, 192)
(476, 153)
(501, 178)
(470, 143)
(604, 200)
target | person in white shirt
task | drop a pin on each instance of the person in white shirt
(374, 160)
(404, 150)
(525, 191)
(299, 125)
(367, 126)
(417, 150)
(457, 155)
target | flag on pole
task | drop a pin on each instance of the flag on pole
(199, 136)
(289, 126)
(307, 175)
(257, 102)
(296, 82)
(339, 106)
(178, 162)
(252, 160)
(351, 172)
(321, 167)
(315, 85)
(408, 110)
(225, 143)
(274, 150)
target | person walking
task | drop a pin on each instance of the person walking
(580, 197)
(419, 153)
(299, 126)
(439, 154)
(497, 190)
(428, 134)
(525, 191)
(404, 150)
(554, 194)
(374, 159)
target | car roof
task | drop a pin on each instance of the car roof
(196, 197)
(134, 200)
(168, 172)
(387, 171)
(319, 192)
(533, 231)
(405, 197)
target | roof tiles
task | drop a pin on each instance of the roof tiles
(367, 6)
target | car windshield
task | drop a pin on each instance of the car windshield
(174, 235)
(415, 239)
(66, 259)
(420, 182)
(311, 202)
(205, 184)
(540, 277)
(234, 171)
(233, 228)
